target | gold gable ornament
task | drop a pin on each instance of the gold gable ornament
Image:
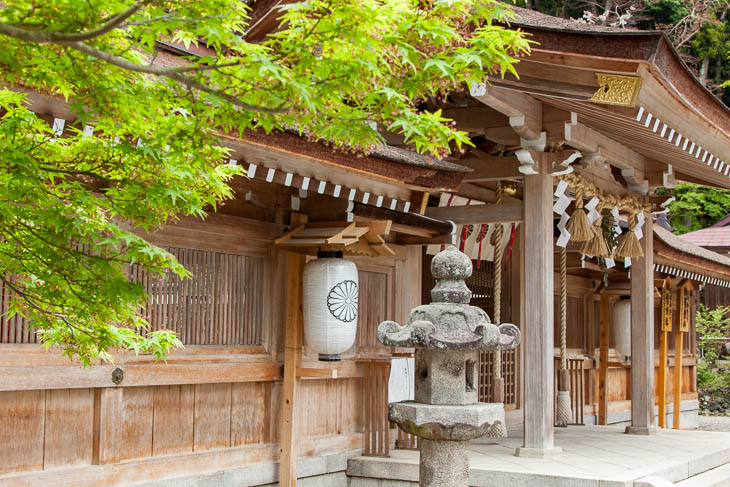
(617, 90)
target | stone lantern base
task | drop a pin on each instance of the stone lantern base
(445, 432)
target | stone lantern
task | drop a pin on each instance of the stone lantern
(448, 335)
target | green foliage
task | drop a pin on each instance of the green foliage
(662, 12)
(697, 207)
(711, 323)
(71, 207)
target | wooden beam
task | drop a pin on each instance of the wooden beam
(476, 119)
(538, 328)
(316, 373)
(642, 337)
(490, 213)
(524, 112)
(491, 168)
(292, 357)
(587, 140)
(605, 326)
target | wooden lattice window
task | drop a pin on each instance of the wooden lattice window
(221, 304)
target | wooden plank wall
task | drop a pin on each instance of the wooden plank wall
(53, 428)
(207, 400)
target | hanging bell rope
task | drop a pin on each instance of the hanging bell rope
(628, 245)
(498, 430)
(564, 413)
(578, 226)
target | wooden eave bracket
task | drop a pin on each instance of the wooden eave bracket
(559, 162)
(362, 237)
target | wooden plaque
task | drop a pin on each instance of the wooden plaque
(667, 305)
(685, 306)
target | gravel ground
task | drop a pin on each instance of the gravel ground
(714, 423)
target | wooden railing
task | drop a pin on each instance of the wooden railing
(577, 388)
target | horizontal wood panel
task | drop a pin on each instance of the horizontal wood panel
(61, 377)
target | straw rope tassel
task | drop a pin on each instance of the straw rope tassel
(564, 413)
(498, 430)
(578, 226)
(628, 245)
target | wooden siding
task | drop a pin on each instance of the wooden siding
(49, 429)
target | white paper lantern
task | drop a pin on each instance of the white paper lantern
(330, 291)
(621, 328)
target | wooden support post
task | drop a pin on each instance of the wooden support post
(539, 324)
(678, 347)
(292, 357)
(107, 425)
(603, 361)
(664, 329)
(642, 337)
(662, 379)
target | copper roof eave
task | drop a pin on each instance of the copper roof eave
(388, 165)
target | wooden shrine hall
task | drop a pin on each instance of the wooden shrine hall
(554, 204)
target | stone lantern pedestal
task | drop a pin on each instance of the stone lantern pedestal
(448, 335)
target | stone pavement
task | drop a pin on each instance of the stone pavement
(601, 456)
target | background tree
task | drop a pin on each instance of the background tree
(70, 205)
(697, 207)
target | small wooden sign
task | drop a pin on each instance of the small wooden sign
(667, 305)
(685, 306)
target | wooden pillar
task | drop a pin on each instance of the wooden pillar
(292, 357)
(538, 327)
(603, 361)
(667, 306)
(642, 337)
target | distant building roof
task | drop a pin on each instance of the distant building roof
(709, 237)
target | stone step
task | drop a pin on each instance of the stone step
(716, 477)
